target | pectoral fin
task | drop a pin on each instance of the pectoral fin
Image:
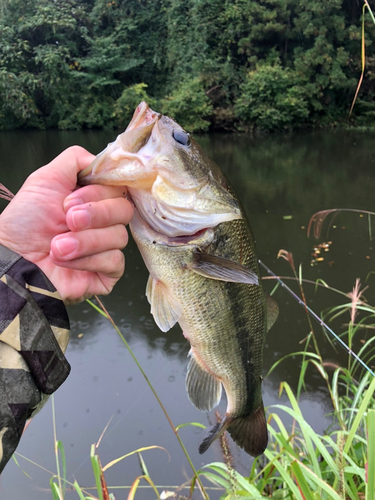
(204, 390)
(219, 268)
(165, 311)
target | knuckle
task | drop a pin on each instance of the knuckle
(107, 213)
(118, 260)
(122, 235)
(129, 210)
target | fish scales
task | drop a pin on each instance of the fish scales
(247, 306)
(205, 321)
(199, 249)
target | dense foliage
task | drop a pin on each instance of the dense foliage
(224, 64)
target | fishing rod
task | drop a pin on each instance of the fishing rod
(316, 317)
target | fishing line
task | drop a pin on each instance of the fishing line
(317, 318)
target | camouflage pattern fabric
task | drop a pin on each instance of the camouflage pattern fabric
(34, 333)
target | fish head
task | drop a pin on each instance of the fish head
(175, 187)
(120, 163)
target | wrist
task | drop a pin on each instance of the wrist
(6, 238)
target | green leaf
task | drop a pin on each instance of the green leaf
(97, 308)
(217, 480)
(143, 465)
(194, 424)
(60, 449)
(78, 490)
(370, 486)
(361, 411)
(310, 438)
(333, 495)
(301, 481)
(284, 473)
(97, 471)
(113, 462)
(56, 494)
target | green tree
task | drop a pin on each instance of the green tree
(272, 98)
(225, 64)
(189, 106)
(36, 56)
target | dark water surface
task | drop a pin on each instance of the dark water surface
(281, 180)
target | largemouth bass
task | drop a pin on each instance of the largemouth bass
(199, 249)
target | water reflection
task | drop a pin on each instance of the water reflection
(275, 176)
(299, 172)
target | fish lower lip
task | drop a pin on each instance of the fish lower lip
(181, 239)
(188, 237)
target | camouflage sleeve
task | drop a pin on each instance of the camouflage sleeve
(34, 332)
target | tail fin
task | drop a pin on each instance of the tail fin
(250, 432)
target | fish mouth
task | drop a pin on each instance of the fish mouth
(143, 116)
(122, 155)
(188, 238)
(141, 228)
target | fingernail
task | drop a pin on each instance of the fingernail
(81, 218)
(66, 246)
(72, 203)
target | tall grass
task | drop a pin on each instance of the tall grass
(299, 464)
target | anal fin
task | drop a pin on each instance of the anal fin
(204, 390)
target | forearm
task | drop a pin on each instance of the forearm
(34, 332)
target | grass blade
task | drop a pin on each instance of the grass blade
(97, 471)
(78, 491)
(361, 411)
(284, 473)
(301, 481)
(203, 491)
(194, 424)
(370, 486)
(333, 495)
(133, 488)
(113, 462)
(55, 490)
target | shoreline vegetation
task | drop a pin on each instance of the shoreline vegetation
(236, 65)
(298, 463)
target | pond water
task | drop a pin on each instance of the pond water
(282, 180)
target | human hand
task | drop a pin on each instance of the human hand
(73, 235)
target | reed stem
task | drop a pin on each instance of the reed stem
(204, 494)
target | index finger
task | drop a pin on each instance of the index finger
(93, 193)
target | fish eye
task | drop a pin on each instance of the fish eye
(181, 137)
